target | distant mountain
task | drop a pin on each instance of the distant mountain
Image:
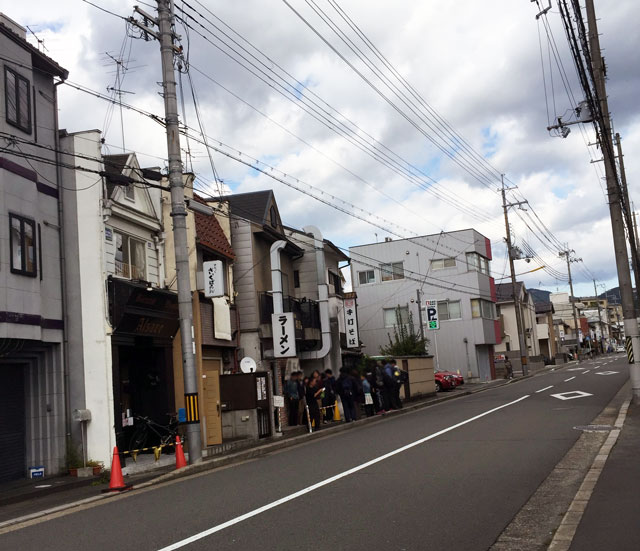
(613, 296)
(539, 295)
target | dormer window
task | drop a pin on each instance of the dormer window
(17, 100)
(273, 217)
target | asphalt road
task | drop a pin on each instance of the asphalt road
(447, 477)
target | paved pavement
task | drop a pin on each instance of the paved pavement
(462, 497)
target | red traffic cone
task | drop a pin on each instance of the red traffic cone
(116, 484)
(180, 460)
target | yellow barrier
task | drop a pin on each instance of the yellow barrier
(157, 450)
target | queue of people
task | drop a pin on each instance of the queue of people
(376, 391)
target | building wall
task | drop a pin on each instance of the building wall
(455, 283)
(244, 275)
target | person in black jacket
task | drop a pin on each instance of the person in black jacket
(313, 392)
(346, 388)
(329, 399)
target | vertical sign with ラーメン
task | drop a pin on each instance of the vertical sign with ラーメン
(432, 314)
(351, 323)
(213, 278)
(284, 335)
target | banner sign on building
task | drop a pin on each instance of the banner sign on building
(213, 278)
(284, 335)
(351, 323)
(432, 314)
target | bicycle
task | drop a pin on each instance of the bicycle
(147, 427)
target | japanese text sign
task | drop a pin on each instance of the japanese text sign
(213, 278)
(351, 323)
(432, 314)
(284, 335)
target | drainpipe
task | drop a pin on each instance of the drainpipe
(323, 297)
(276, 276)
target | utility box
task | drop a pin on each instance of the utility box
(81, 415)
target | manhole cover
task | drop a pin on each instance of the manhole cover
(594, 428)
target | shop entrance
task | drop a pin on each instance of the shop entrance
(211, 400)
(12, 422)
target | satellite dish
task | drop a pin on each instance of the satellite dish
(247, 365)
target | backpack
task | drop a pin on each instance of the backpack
(346, 385)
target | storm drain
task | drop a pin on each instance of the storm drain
(594, 428)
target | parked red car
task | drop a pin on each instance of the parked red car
(458, 378)
(444, 381)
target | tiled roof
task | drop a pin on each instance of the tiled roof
(544, 307)
(504, 291)
(251, 205)
(210, 234)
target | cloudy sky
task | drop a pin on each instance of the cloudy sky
(368, 145)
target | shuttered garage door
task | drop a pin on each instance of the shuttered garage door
(12, 422)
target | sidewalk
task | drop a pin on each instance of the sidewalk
(30, 496)
(610, 520)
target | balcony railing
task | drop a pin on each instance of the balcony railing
(307, 312)
(130, 271)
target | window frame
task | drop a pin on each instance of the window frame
(441, 263)
(447, 315)
(23, 221)
(480, 263)
(129, 238)
(394, 308)
(395, 275)
(373, 280)
(481, 305)
(16, 92)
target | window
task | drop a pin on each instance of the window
(23, 245)
(130, 192)
(391, 315)
(296, 279)
(393, 270)
(273, 217)
(449, 310)
(481, 308)
(336, 281)
(17, 100)
(131, 257)
(477, 263)
(368, 276)
(442, 263)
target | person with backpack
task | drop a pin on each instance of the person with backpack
(399, 378)
(347, 389)
(382, 394)
(390, 386)
(293, 398)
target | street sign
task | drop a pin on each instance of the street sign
(284, 335)
(432, 315)
(351, 323)
(213, 278)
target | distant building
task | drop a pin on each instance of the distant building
(33, 375)
(451, 268)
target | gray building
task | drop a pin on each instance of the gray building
(452, 269)
(32, 378)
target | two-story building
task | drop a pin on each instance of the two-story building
(33, 376)
(451, 269)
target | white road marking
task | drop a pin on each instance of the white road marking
(569, 379)
(545, 388)
(308, 489)
(607, 372)
(571, 395)
(576, 369)
(586, 371)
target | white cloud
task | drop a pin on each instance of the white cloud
(477, 64)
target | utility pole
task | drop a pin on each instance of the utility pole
(165, 36)
(632, 229)
(567, 254)
(419, 301)
(615, 206)
(516, 298)
(595, 290)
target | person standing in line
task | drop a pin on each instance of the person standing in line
(346, 389)
(329, 399)
(293, 398)
(396, 403)
(314, 390)
(383, 396)
(358, 394)
(303, 383)
(390, 384)
(508, 367)
(368, 396)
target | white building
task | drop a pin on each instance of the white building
(33, 415)
(121, 318)
(451, 268)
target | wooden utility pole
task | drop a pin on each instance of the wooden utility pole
(615, 204)
(516, 299)
(595, 290)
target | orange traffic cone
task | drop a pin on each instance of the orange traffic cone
(180, 460)
(116, 484)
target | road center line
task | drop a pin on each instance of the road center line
(545, 388)
(569, 379)
(308, 489)
(586, 371)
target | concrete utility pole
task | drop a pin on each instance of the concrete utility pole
(632, 229)
(567, 255)
(419, 301)
(595, 290)
(615, 206)
(516, 298)
(179, 215)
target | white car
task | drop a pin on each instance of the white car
(620, 348)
